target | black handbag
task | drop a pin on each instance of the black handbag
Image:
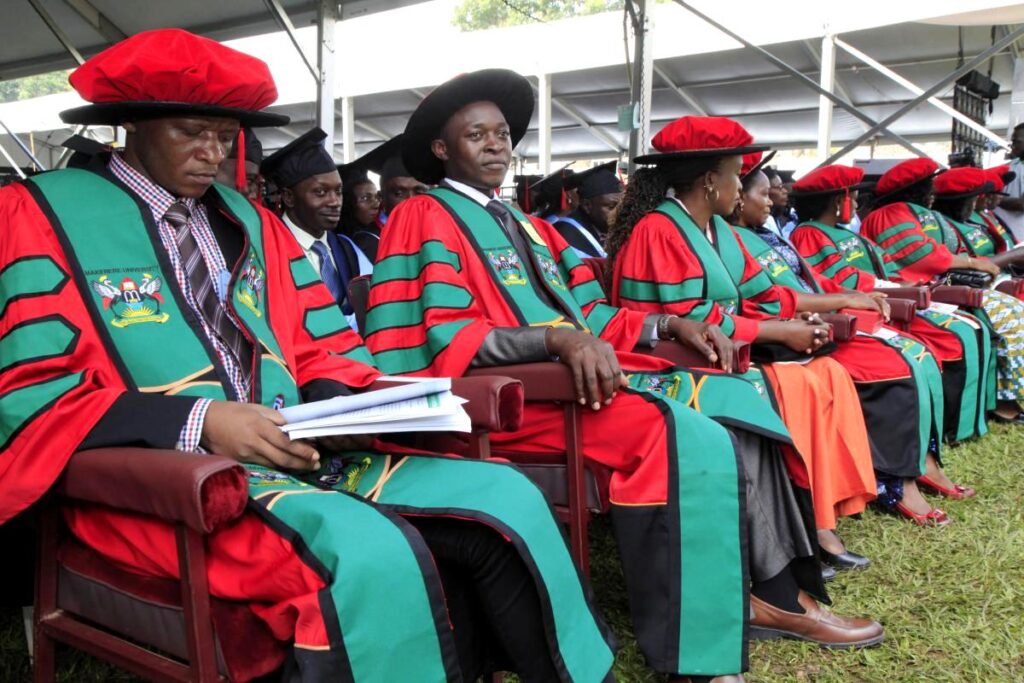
(969, 278)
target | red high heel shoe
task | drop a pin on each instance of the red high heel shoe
(934, 517)
(957, 492)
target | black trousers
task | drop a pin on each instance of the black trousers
(492, 600)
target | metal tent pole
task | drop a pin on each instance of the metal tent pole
(938, 87)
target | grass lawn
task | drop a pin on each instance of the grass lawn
(952, 600)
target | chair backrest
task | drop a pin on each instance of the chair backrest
(359, 297)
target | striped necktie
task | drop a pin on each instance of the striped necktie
(204, 293)
(328, 273)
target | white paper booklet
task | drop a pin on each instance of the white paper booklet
(419, 406)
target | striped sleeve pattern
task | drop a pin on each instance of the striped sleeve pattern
(422, 316)
(761, 297)
(821, 254)
(909, 250)
(657, 272)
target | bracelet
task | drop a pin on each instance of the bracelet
(663, 331)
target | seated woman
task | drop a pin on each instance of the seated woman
(985, 214)
(817, 401)
(815, 292)
(921, 245)
(957, 193)
(717, 278)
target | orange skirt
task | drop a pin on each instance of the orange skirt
(819, 404)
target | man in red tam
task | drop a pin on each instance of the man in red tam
(147, 305)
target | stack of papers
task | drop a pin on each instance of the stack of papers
(413, 405)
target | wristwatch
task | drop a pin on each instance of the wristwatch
(663, 322)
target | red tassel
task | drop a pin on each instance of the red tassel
(847, 213)
(241, 182)
(563, 202)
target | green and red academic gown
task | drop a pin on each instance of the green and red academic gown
(1002, 240)
(447, 274)
(671, 265)
(664, 269)
(842, 258)
(308, 552)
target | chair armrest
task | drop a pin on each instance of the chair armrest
(844, 325)
(685, 356)
(495, 402)
(921, 296)
(958, 295)
(902, 311)
(201, 491)
(1013, 287)
(546, 381)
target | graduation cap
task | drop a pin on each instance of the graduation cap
(302, 158)
(550, 189)
(524, 197)
(385, 160)
(595, 181)
(84, 150)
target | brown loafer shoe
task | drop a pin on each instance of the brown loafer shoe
(816, 625)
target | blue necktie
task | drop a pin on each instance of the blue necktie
(328, 273)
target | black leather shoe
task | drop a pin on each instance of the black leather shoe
(844, 561)
(828, 572)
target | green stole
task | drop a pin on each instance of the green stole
(935, 228)
(974, 237)
(970, 419)
(503, 263)
(775, 265)
(855, 250)
(151, 315)
(723, 261)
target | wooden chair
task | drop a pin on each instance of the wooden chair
(170, 629)
(577, 488)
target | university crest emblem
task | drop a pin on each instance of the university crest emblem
(773, 263)
(506, 263)
(851, 250)
(132, 302)
(249, 289)
(549, 269)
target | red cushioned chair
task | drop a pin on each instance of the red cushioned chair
(165, 629)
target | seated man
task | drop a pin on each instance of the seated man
(142, 304)
(463, 280)
(599, 191)
(311, 192)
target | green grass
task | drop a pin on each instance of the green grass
(952, 599)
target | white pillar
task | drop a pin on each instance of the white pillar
(544, 123)
(327, 19)
(827, 82)
(348, 129)
(1017, 95)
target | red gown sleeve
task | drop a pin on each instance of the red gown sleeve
(339, 355)
(656, 272)
(56, 379)
(915, 254)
